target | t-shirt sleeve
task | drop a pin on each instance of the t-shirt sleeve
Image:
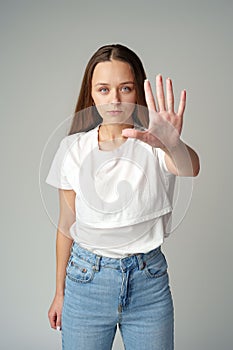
(161, 157)
(57, 172)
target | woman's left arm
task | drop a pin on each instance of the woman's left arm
(182, 160)
(165, 128)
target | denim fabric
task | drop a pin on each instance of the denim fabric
(133, 292)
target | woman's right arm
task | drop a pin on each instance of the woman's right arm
(63, 245)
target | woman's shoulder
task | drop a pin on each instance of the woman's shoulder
(78, 139)
(72, 137)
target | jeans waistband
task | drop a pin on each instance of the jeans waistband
(129, 262)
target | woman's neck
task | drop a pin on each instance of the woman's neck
(108, 132)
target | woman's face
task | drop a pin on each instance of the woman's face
(113, 91)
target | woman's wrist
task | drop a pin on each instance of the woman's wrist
(60, 289)
(59, 293)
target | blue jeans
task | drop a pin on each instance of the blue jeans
(101, 292)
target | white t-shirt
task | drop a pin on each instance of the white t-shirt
(123, 197)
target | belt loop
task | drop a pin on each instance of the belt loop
(141, 263)
(72, 247)
(96, 267)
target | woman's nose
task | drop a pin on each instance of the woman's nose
(115, 97)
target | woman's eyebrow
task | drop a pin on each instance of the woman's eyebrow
(101, 84)
(125, 82)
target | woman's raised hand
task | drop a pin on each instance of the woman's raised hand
(165, 124)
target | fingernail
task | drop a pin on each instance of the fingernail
(58, 328)
(159, 76)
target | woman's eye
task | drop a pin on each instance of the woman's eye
(126, 89)
(103, 90)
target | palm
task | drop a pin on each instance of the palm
(165, 125)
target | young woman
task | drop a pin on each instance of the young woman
(115, 172)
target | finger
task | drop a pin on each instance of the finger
(58, 323)
(182, 103)
(150, 101)
(140, 135)
(160, 93)
(52, 320)
(170, 95)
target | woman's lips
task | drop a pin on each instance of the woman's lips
(114, 112)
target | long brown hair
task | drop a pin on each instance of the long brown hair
(86, 116)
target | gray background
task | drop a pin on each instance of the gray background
(45, 46)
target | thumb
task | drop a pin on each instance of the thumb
(58, 323)
(141, 135)
(129, 132)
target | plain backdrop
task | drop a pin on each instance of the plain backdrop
(45, 46)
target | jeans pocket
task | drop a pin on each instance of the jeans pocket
(156, 266)
(79, 270)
